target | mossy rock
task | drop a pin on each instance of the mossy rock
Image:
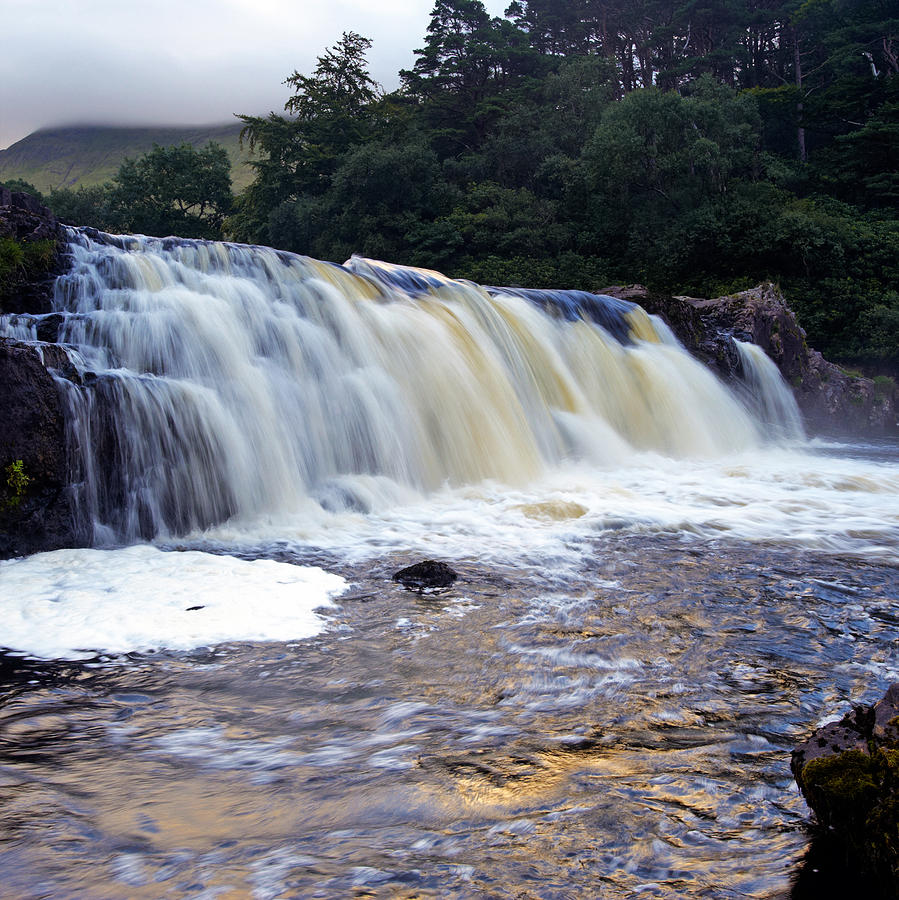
(848, 773)
(24, 263)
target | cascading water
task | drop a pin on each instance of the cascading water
(223, 381)
(767, 393)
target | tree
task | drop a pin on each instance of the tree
(95, 206)
(22, 186)
(340, 89)
(384, 195)
(468, 61)
(331, 113)
(175, 190)
(677, 150)
(456, 54)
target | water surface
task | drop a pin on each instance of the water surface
(610, 714)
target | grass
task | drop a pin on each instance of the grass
(88, 155)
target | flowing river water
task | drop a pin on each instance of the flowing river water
(663, 587)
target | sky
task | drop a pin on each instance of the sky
(191, 62)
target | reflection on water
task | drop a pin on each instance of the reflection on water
(625, 732)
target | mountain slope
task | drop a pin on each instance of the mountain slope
(84, 155)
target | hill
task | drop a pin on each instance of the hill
(85, 155)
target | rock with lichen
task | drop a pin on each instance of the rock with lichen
(848, 772)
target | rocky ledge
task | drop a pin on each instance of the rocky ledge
(35, 506)
(32, 253)
(848, 772)
(831, 399)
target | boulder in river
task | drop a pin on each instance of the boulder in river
(848, 772)
(426, 575)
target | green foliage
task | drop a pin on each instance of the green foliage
(339, 90)
(175, 190)
(20, 185)
(16, 484)
(334, 111)
(94, 206)
(884, 386)
(877, 334)
(568, 270)
(170, 190)
(12, 258)
(674, 151)
(22, 261)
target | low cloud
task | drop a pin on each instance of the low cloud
(170, 62)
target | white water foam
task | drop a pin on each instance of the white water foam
(75, 604)
(795, 498)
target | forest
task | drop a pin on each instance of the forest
(696, 146)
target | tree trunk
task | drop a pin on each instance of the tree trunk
(797, 72)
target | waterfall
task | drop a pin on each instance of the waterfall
(218, 380)
(768, 394)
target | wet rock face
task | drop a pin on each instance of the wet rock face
(35, 510)
(831, 400)
(848, 772)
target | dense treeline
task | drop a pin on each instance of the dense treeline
(695, 146)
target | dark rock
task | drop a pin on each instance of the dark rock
(24, 220)
(426, 575)
(848, 772)
(35, 507)
(47, 327)
(830, 399)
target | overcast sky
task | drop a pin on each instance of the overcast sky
(182, 61)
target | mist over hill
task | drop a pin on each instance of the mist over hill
(86, 155)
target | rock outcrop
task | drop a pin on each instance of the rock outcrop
(38, 240)
(35, 507)
(830, 399)
(848, 772)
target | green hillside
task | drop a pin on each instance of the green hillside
(85, 155)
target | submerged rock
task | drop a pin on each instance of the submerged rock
(426, 575)
(848, 772)
(830, 398)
